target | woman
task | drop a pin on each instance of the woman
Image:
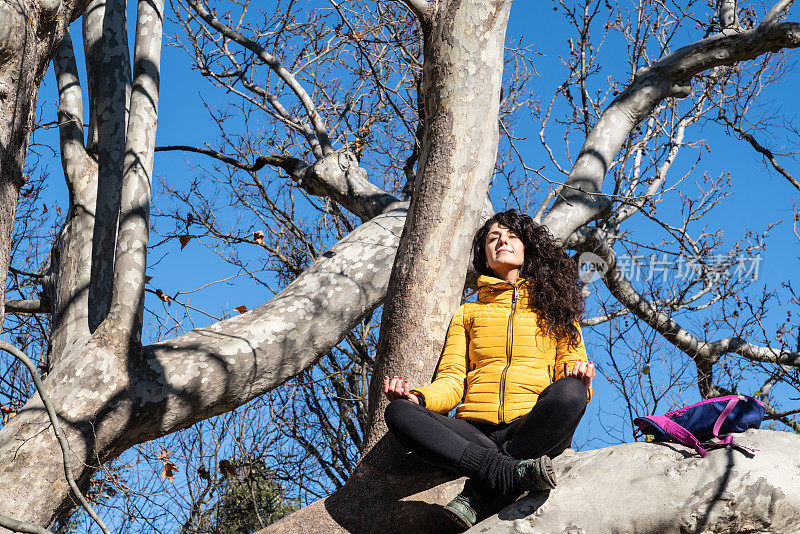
(514, 363)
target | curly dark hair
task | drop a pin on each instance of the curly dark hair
(555, 286)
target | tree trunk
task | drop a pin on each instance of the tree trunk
(463, 68)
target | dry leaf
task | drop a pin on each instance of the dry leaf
(169, 468)
(258, 235)
(184, 239)
(226, 468)
(241, 309)
(189, 219)
(160, 294)
(203, 473)
(168, 471)
(147, 278)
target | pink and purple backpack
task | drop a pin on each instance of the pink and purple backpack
(696, 425)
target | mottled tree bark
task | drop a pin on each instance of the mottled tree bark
(464, 46)
(666, 489)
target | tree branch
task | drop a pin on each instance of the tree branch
(273, 63)
(26, 306)
(108, 70)
(775, 13)
(761, 149)
(336, 176)
(582, 201)
(21, 526)
(726, 15)
(702, 352)
(223, 365)
(287, 163)
(420, 8)
(130, 264)
(70, 110)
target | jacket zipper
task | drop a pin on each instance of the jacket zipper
(509, 349)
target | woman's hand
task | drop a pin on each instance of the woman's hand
(397, 388)
(583, 371)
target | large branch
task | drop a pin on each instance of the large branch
(112, 403)
(26, 306)
(70, 110)
(108, 69)
(127, 301)
(71, 256)
(216, 368)
(655, 488)
(581, 200)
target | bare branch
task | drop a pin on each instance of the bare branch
(726, 14)
(21, 526)
(702, 352)
(25, 273)
(775, 13)
(581, 200)
(754, 352)
(287, 163)
(761, 149)
(419, 7)
(262, 348)
(273, 63)
(336, 176)
(108, 71)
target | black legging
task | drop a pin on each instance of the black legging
(441, 440)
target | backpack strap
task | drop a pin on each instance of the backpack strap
(725, 413)
(680, 434)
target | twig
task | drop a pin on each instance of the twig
(25, 273)
(62, 440)
(762, 149)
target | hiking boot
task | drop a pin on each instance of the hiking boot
(465, 507)
(536, 474)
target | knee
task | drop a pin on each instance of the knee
(570, 393)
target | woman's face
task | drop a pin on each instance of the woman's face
(505, 252)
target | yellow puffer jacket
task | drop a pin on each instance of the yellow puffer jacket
(496, 360)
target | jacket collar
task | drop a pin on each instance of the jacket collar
(496, 290)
